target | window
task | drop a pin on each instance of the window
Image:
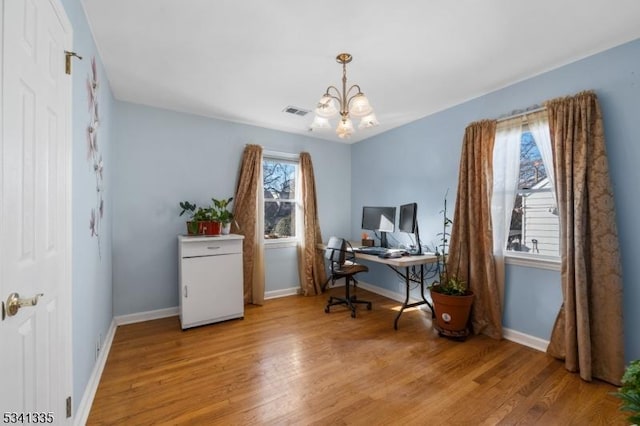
(534, 227)
(526, 229)
(280, 201)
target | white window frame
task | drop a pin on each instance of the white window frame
(284, 158)
(540, 261)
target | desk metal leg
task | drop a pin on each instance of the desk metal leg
(406, 298)
(433, 314)
(406, 303)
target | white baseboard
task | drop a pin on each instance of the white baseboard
(274, 294)
(525, 339)
(393, 295)
(82, 414)
(146, 316)
(84, 408)
(509, 334)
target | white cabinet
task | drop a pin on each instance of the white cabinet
(211, 281)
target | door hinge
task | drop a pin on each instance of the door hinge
(67, 60)
(68, 406)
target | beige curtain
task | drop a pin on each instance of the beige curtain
(471, 248)
(310, 258)
(588, 331)
(246, 211)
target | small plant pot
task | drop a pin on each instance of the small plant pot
(226, 228)
(452, 312)
(192, 227)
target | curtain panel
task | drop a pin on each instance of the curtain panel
(310, 260)
(246, 211)
(538, 123)
(471, 249)
(506, 173)
(588, 333)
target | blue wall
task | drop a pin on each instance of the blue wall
(164, 157)
(425, 157)
(532, 299)
(91, 272)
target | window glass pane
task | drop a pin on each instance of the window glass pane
(534, 222)
(279, 179)
(532, 169)
(279, 219)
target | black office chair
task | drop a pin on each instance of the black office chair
(342, 265)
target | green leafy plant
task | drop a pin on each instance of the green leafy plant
(192, 224)
(202, 215)
(447, 283)
(221, 211)
(452, 286)
(629, 393)
(186, 206)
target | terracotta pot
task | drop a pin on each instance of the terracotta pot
(452, 312)
(213, 228)
(202, 227)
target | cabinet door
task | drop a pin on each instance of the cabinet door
(211, 289)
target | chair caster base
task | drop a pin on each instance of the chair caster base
(349, 302)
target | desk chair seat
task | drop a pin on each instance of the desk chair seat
(342, 265)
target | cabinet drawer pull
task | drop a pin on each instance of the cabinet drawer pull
(186, 292)
(213, 247)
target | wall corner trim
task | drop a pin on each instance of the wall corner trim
(84, 408)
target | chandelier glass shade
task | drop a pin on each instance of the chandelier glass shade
(347, 103)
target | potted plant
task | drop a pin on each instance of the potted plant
(223, 214)
(207, 225)
(192, 223)
(629, 393)
(452, 300)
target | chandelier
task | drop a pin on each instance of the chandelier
(348, 103)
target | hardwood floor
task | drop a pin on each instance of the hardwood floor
(288, 362)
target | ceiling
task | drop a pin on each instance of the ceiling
(247, 60)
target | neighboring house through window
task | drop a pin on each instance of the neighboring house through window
(280, 182)
(534, 220)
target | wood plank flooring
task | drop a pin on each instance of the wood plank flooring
(288, 362)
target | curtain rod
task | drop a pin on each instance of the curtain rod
(520, 113)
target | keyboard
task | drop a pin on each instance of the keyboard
(373, 250)
(379, 250)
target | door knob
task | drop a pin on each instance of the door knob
(14, 303)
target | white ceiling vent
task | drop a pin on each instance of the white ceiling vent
(296, 111)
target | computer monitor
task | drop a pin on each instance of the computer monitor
(408, 222)
(381, 219)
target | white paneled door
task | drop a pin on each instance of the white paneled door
(35, 243)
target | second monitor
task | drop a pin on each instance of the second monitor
(409, 223)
